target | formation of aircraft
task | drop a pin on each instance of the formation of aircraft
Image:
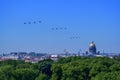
(33, 22)
(59, 28)
(75, 37)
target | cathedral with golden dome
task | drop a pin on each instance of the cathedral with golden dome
(92, 48)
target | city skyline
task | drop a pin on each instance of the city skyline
(52, 26)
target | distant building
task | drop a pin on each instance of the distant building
(54, 57)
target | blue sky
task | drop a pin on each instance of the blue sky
(91, 20)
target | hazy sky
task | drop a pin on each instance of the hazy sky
(91, 20)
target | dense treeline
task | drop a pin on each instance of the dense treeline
(71, 68)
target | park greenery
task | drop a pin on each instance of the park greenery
(70, 68)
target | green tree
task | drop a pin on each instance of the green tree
(115, 67)
(57, 72)
(108, 76)
(68, 59)
(6, 72)
(25, 74)
(45, 67)
(25, 65)
(96, 69)
(42, 77)
(75, 71)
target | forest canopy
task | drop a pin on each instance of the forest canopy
(70, 68)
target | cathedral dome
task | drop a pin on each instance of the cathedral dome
(92, 44)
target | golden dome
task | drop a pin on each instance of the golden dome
(92, 44)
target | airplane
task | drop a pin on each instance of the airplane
(40, 21)
(25, 23)
(65, 28)
(29, 22)
(56, 28)
(34, 22)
